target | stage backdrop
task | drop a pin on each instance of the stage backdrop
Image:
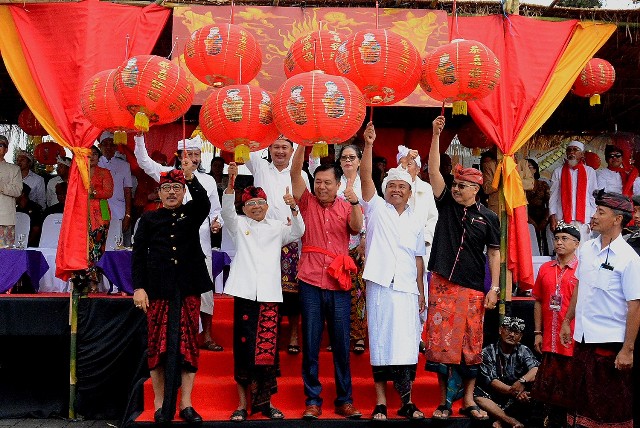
(276, 28)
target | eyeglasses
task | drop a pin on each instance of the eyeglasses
(348, 158)
(461, 186)
(168, 187)
(563, 239)
(254, 203)
(614, 155)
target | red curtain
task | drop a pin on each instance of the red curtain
(64, 44)
(529, 50)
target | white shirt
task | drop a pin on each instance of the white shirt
(636, 186)
(393, 243)
(153, 170)
(10, 189)
(555, 202)
(609, 180)
(37, 193)
(255, 271)
(121, 174)
(601, 311)
(52, 197)
(423, 204)
(274, 183)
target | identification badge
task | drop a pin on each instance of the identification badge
(555, 302)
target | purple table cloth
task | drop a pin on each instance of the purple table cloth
(116, 266)
(15, 263)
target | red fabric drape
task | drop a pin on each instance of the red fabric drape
(528, 50)
(65, 44)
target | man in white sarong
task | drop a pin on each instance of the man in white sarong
(213, 223)
(572, 187)
(395, 292)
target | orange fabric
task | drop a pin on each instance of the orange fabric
(102, 183)
(49, 68)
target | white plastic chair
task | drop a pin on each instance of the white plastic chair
(51, 231)
(535, 248)
(23, 225)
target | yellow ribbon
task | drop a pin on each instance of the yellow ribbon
(81, 157)
(514, 195)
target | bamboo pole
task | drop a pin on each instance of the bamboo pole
(502, 215)
(75, 297)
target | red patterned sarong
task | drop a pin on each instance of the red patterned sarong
(454, 323)
(289, 267)
(157, 320)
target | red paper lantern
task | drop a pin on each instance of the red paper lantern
(315, 107)
(315, 51)
(461, 71)
(29, 124)
(238, 119)
(384, 65)
(224, 54)
(596, 78)
(153, 89)
(47, 153)
(100, 107)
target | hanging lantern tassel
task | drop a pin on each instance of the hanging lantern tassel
(320, 150)
(142, 122)
(241, 153)
(199, 132)
(120, 137)
(37, 139)
(460, 107)
(594, 99)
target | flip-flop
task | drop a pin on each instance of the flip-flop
(442, 408)
(380, 409)
(358, 347)
(239, 415)
(408, 411)
(210, 345)
(293, 349)
(273, 413)
(468, 411)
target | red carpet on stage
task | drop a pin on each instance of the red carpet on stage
(215, 396)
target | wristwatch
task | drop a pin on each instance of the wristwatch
(496, 289)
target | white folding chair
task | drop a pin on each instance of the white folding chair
(23, 225)
(51, 231)
(537, 262)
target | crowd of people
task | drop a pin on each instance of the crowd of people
(381, 258)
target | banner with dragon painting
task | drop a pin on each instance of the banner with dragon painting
(276, 28)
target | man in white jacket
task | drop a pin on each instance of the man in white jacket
(213, 223)
(10, 189)
(254, 281)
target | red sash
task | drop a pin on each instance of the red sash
(341, 268)
(566, 193)
(627, 179)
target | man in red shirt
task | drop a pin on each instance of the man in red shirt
(325, 279)
(552, 291)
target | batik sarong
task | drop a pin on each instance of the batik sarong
(454, 323)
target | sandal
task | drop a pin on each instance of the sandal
(239, 415)
(409, 411)
(210, 345)
(442, 409)
(468, 411)
(358, 347)
(293, 349)
(380, 409)
(273, 413)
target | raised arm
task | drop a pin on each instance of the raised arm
(435, 177)
(148, 165)
(229, 215)
(366, 165)
(297, 182)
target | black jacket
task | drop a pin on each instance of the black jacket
(167, 256)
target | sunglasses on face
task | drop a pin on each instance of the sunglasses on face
(5, 145)
(461, 186)
(168, 187)
(614, 155)
(348, 158)
(255, 203)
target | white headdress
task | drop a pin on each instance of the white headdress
(404, 151)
